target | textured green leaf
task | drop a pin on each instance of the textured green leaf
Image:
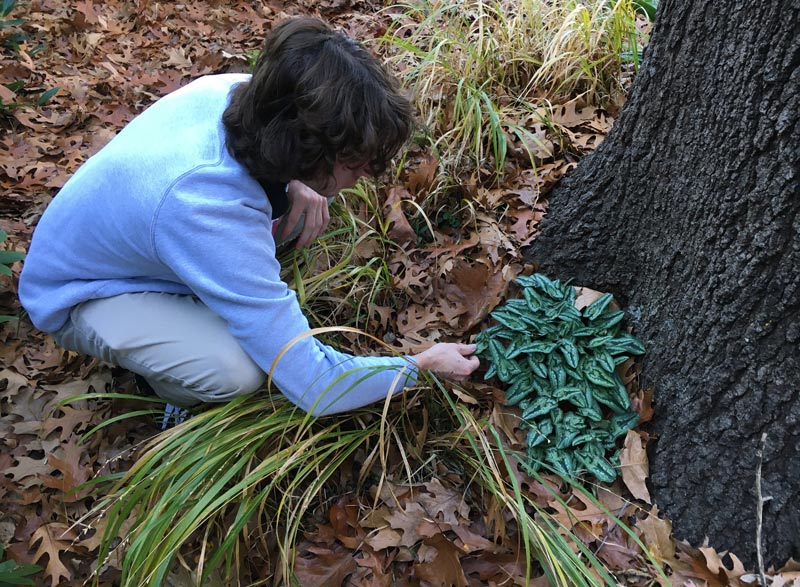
(559, 367)
(600, 377)
(567, 393)
(573, 421)
(564, 437)
(604, 361)
(526, 281)
(490, 372)
(481, 344)
(570, 313)
(539, 432)
(551, 288)
(569, 351)
(561, 461)
(506, 319)
(539, 407)
(608, 319)
(596, 308)
(536, 365)
(625, 343)
(620, 395)
(592, 412)
(539, 346)
(516, 305)
(584, 331)
(601, 469)
(584, 438)
(621, 423)
(533, 299)
(599, 342)
(514, 397)
(609, 397)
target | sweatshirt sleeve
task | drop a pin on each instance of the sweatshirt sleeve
(217, 239)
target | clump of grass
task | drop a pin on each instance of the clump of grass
(234, 483)
(249, 460)
(481, 71)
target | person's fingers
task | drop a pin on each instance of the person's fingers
(466, 367)
(320, 216)
(312, 229)
(326, 215)
(305, 235)
(466, 349)
(289, 222)
(459, 367)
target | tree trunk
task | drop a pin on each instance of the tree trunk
(688, 213)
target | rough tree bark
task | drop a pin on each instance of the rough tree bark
(688, 213)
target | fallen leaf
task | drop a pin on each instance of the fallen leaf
(385, 538)
(691, 566)
(377, 565)
(69, 422)
(477, 288)
(53, 539)
(635, 467)
(642, 403)
(786, 580)
(571, 115)
(584, 297)
(528, 195)
(445, 504)
(72, 472)
(14, 382)
(656, 533)
(523, 229)
(421, 178)
(617, 549)
(27, 471)
(581, 509)
(407, 520)
(472, 542)
(177, 56)
(443, 566)
(7, 95)
(716, 566)
(400, 230)
(324, 568)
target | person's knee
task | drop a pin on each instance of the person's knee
(220, 378)
(235, 374)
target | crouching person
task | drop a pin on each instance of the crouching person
(158, 255)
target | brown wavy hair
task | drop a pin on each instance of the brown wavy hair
(316, 96)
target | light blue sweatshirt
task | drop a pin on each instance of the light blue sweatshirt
(164, 207)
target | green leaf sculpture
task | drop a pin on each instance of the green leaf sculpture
(559, 365)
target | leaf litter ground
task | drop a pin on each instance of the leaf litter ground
(112, 59)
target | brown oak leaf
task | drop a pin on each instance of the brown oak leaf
(53, 539)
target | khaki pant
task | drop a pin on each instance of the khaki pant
(175, 342)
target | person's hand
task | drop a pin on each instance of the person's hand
(308, 214)
(451, 360)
